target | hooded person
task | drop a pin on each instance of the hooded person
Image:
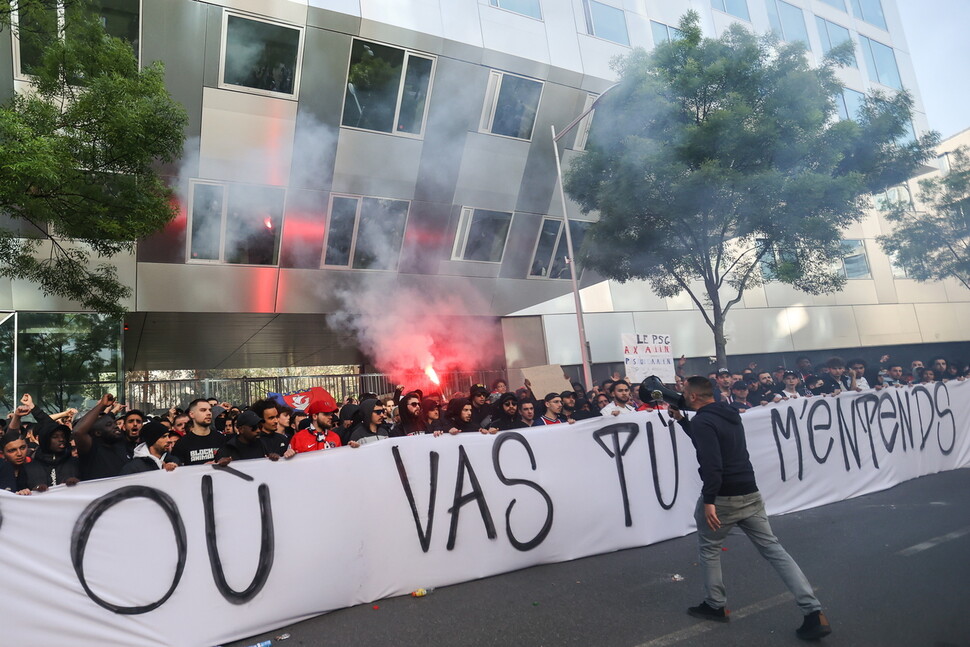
(433, 420)
(52, 462)
(350, 416)
(478, 396)
(412, 421)
(372, 427)
(506, 414)
(461, 417)
(153, 452)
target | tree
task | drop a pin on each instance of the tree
(78, 154)
(934, 244)
(718, 164)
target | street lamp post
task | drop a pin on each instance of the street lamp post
(583, 343)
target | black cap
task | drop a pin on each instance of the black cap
(723, 371)
(740, 385)
(567, 394)
(478, 389)
(248, 419)
(792, 373)
(152, 431)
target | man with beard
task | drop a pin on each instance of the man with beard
(320, 434)
(507, 416)
(152, 453)
(101, 448)
(412, 422)
(200, 443)
(621, 400)
(133, 422)
(350, 416)
(276, 442)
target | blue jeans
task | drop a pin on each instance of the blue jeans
(748, 513)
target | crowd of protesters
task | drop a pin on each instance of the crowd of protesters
(109, 441)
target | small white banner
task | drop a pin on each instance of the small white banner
(203, 556)
(648, 354)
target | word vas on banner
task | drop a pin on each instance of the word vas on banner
(204, 555)
(645, 355)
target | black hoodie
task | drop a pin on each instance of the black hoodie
(722, 453)
(362, 433)
(500, 420)
(48, 468)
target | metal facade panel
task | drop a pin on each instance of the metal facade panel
(246, 137)
(163, 287)
(887, 324)
(492, 169)
(515, 34)
(524, 343)
(376, 164)
(827, 327)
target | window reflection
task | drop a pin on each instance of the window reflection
(260, 55)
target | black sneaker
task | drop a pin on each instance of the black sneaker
(707, 612)
(815, 626)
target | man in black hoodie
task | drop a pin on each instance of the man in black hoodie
(730, 497)
(372, 428)
(52, 462)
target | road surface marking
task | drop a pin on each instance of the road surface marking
(705, 626)
(936, 541)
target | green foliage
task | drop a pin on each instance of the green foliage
(713, 158)
(934, 244)
(78, 154)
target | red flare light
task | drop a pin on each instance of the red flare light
(432, 375)
(268, 222)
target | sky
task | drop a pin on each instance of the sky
(937, 34)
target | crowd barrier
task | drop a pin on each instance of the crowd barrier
(203, 556)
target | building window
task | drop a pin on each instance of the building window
(511, 105)
(870, 11)
(833, 35)
(737, 8)
(838, 4)
(549, 259)
(788, 22)
(261, 55)
(894, 196)
(481, 235)
(849, 103)
(242, 227)
(39, 23)
(529, 8)
(365, 233)
(664, 33)
(854, 264)
(881, 61)
(606, 22)
(387, 89)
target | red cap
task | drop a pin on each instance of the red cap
(323, 404)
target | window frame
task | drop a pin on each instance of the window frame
(224, 221)
(497, 4)
(842, 103)
(586, 124)
(400, 90)
(591, 24)
(872, 66)
(861, 14)
(224, 41)
(841, 6)
(492, 92)
(819, 23)
(190, 215)
(467, 215)
(670, 29)
(723, 3)
(865, 255)
(19, 75)
(552, 255)
(353, 242)
(781, 22)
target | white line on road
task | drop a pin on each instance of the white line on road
(936, 541)
(705, 626)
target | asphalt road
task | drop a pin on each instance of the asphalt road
(891, 569)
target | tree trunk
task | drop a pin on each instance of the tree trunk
(720, 341)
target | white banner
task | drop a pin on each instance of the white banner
(202, 556)
(647, 354)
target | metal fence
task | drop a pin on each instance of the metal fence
(163, 394)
